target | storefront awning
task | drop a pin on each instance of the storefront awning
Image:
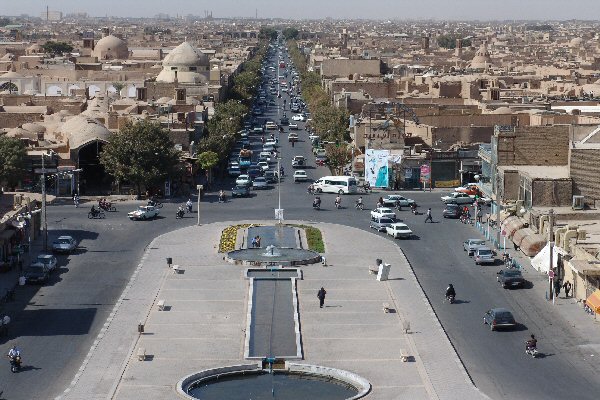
(593, 301)
(585, 267)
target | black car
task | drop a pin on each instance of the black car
(499, 318)
(253, 172)
(240, 191)
(36, 274)
(452, 211)
(510, 278)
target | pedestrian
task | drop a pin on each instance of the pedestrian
(557, 287)
(257, 241)
(254, 241)
(323, 261)
(321, 295)
(479, 215)
(76, 200)
(429, 217)
(567, 286)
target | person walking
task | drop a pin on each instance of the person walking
(429, 217)
(321, 295)
(567, 286)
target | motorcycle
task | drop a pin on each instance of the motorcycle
(15, 363)
(413, 209)
(96, 215)
(107, 207)
(222, 199)
(532, 351)
(450, 299)
(317, 205)
(180, 214)
(359, 206)
(338, 205)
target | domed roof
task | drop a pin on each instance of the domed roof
(185, 55)
(111, 47)
(576, 42)
(482, 58)
(81, 130)
(33, 127)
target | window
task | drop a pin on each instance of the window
(192, 68)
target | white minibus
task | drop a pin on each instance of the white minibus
(336, 184)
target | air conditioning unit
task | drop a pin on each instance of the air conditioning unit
(577, 203)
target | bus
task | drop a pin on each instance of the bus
(336, 184)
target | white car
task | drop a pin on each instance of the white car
(263, 165)
(292, 137)
(392, 199)
(259, 183)
(243, 180)
(298, 117)
(383, 212)
(457, 198)
(398, 230)
(300, 176)
(143, 212)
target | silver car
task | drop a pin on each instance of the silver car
(381, 223)
(64, 244)
(484, 255)
(470, 245)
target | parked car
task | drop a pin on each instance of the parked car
(240, 191)
(36, 274)
(243, 180)
(484, 255)
(452, 211)
(399, 230)
(46, 260)
(510, 278)
(470, 245)
(383, 212)
(457, 198)
(380, 223)
(259, 183)
(143, 212)
(392, 199)
(64, 244)
(300, 175)
(499, 318)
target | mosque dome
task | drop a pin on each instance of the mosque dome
(110, 48)
(482, 58)
(184, 64)
(81, 131)
(185, 55)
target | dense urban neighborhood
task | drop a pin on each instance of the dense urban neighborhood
(207, 207)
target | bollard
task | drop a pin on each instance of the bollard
(169, 261)
(140, 327)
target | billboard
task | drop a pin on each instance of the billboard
(376, 167)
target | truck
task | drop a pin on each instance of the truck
(245, 158)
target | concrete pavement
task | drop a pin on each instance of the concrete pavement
(204, 320)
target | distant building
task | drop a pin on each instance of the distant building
(52, 15)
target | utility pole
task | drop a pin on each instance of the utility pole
(44, 220)
(551, 275)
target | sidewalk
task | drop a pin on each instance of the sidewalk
(203, 323)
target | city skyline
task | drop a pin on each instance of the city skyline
(314, 9)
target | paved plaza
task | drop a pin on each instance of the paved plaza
(203, 321)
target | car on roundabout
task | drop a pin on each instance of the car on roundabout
(499, 318)
(143, 213)
(383, 212)
(391, 200)
(243, 180)
(457, 198)
(240, 191)
(380, 224)
(399, 230)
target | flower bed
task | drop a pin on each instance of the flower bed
(229, 236)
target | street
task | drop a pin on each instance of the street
(56, 324)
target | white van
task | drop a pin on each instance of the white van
(336, 184)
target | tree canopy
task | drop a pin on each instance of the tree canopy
(290, 33)
(267, 33)
(12, 160)
(337, 156)
(57, 47)
(141, 153)
(449, 41)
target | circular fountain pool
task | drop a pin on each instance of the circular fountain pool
(296, 382)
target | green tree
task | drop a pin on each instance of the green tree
(207, 161)
(4, 21)
(118, 87)
(12, 160)
(141, 153)
(267, 33)
(337, 157)
(290, 33)
(57, 47)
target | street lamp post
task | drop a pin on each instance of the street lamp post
(199, 187)
(279, 189)
(44, 220)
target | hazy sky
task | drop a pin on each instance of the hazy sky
(370, 9)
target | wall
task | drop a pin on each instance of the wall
(585, 172)
(541, 145)
(551, 193)
(342, 68)
(511, 186)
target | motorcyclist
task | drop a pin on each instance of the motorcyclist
(317, 202)
(94, 210)
(338, 201)
(531, 344)
(450, 291)
(188, 204)
(281, 171)
(14, 352)
(180, 211)
(413, 207)
(221, 196)
(151, 202)
(359, 202)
